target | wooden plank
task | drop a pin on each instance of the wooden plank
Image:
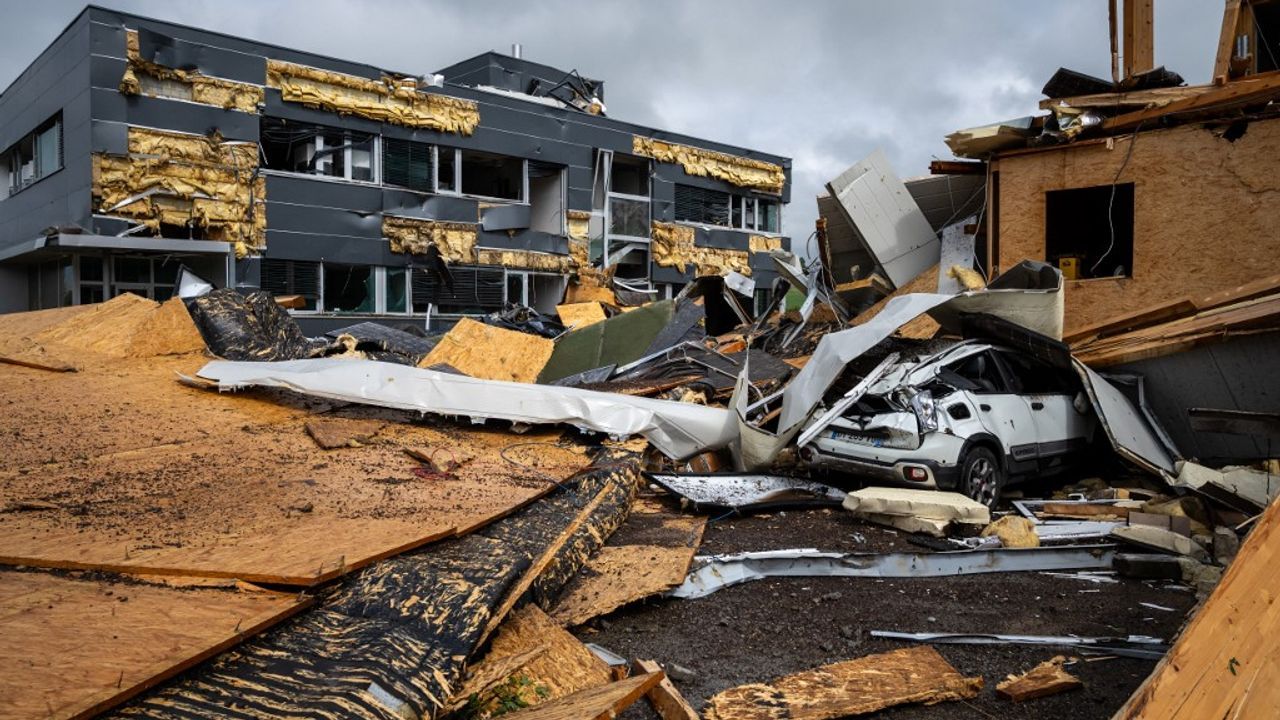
(854, 687)
(1226, 41)
(1140, 318)
(1113, 22)
(957, 167)
(1047, 678)
(73, 648)
(1136, 99)
(1224, 664)
(1254, 89)
(621, 575)
(664, 697)
(602, 703)
(1139, 37)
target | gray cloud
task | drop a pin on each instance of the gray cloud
(824, 82)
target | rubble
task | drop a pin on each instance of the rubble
(1047, 678)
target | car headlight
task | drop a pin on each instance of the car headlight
(926, 410)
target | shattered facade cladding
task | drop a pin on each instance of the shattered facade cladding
(640, 450)
(259, 166)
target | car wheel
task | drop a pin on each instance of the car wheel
(981, 476)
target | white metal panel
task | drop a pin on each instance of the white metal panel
(886, 217)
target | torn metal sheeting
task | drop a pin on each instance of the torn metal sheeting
(889, 224)
(678, 430)
(747, 493)
(854, 395)
(1135, 646)
(712, 573)
(1127, 428)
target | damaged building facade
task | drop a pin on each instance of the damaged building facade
(132, 147)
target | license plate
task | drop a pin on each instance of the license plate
(857, 439)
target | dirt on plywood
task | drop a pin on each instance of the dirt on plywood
(759, 630)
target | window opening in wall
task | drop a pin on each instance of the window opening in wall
(349, 288)
(311, 149)
(475, 291)
(36, 156)
(546, 198)
(406, 164)
(630, 175)
(446, 170)
(1089, 231)
(397, 290)
(489, 175)
(768, 218)
(293, 277)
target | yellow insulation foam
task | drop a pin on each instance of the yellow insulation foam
(387, 100)
(672, 245)
(456, 241)
(205, 90)
(176, 179)
(527, 260)
(735, 170)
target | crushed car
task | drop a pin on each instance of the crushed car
(975, 417)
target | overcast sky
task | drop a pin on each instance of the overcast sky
(822, 82)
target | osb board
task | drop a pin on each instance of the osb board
(146, 473)
(1194, 195)
(491, 353)
(580, 315)
(1226, 662)
(73, 647)
(490, 673)
(602, 703)
(620, 575)
(565, 667)
(649, 554)
(854, 687)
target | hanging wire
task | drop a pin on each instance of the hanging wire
(1111, 202)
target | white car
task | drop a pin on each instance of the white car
(973, 418)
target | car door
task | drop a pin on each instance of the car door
(1049, 396)
(1000, 410)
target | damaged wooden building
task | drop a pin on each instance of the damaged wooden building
(132, 147)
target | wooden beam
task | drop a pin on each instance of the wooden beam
(1139, 37)
(958, 167)
(1115, 41)
(1226, 41)
(1136, 99)
(664, 697)
(1256, 88)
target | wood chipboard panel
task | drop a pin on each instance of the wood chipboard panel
(71, 648)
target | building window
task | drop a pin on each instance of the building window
(466, 291)
(492, 176)
(699, 205)
(397, 292)
(92, 279)
(34, 157)
(293, 277)
(350, 288)
(1089, 231)
(407, 164)
(318, 150)
(145, 276)
(629, 197)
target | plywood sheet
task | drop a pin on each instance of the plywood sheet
(1226, 663)
(139, 472)
(581, 314)
(491, 353)
(854, 687)
(74, 647)
(565, 666)
(601, 703)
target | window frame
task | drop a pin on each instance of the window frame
(14, 172)
(348, 153)
(457, 177)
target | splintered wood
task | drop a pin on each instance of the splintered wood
(601, 703)
(120, 467)
(531, 646)
(1047, 678)
(331, 433)
(491, 353)
(854, 687)
(1226, 663)
(652, 554)
(664, 697)
(72, 648)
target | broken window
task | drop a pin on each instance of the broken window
(981, 370)
(349, 288)
(35, 156)
(406, 164)
(1089, 231)
(446, 170)
(397, 293)
(318, 150)
(492, 176)
(292, 277)
(699, 205)
(768, 216)
(630, 176)
(546, 197)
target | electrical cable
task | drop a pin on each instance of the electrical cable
(1111, 222)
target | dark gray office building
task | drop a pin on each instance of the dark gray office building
(133, 146)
